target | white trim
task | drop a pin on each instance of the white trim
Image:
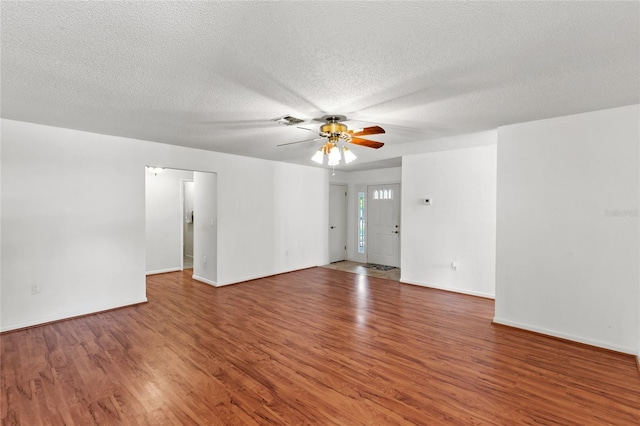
(566, 336)
(452, 289)
(257, 277)
(204, 280)
(163, 271)
(253, 277)
(72, 314)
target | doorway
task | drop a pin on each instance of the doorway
(337, 223)
(181, 222)
(187, 224)
(383, 220)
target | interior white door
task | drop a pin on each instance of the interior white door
(337, 223)
(383, 224)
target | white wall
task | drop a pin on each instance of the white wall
(358, 180)
(205, 224)
(163, 213)
(72, 223)
(73, 218)
(272, 218)
(566, 264)
(459, 226)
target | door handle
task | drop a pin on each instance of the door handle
(333, 227)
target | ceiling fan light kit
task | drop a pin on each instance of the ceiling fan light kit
(334, 154)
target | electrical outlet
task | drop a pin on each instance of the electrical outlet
(35, 289)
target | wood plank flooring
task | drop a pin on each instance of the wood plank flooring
(316, 346)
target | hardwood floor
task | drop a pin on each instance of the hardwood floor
(316, 346)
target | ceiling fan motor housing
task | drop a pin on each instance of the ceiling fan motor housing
(334, 130)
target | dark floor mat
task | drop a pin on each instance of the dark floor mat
(379, 267)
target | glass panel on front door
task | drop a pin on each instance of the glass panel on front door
(361, 224)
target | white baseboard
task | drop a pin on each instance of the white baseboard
(256, 277)
(68, 315)
(566, 336)
(452, 289)
(239, 280)
(204, 280)
(247, 278)
(163, 271)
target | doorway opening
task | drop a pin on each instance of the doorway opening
(187, 224)
(181, 222)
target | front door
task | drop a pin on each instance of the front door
(337, 223)
(383, 220)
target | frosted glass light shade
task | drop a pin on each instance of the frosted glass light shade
(349, 156)
(318, 157)
(334, 156)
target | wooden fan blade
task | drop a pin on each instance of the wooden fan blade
(367, 143)
(306, 140)
(373, 130)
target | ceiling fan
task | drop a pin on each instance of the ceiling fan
(334, 131)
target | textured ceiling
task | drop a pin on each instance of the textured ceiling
(212, 75)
